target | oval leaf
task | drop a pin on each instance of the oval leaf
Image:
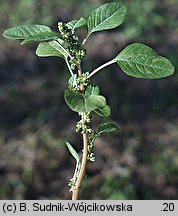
(30, 33)
(104, 112)
(74, 24)
(57, 46)
(107, 128)
(73, 80)
(81, 103)
(73, 152)
(107, 16)
(94, 102)
(92, 90)
(141, 61)
(52, 48)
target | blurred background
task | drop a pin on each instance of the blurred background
(138, 162)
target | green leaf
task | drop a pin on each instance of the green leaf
(57, 46)
(73, 152)
(92, 90)
(81, 103)
(74, 24)
(104, 112)
(107, 16)
(107, 128)
(52, 48)
(30, 33)
(141, 61)
(73, 80)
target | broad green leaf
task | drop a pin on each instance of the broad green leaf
(92, 90)
(52, 48)
(107, 128)
(30, 33)
(63, 43)
(73, 80)
(107, 16)
(141, 61)
(81, 103)
(73, 152)
(104, 112)
(57, 46)
(74, 24)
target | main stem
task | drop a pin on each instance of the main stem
(76, 192)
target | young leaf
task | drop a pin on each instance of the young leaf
(73, 152)
(92, 90)
(52, 48)
(141, 61)
(81, 103)
(30, 33)
(73, 80)
(107, 128)
(107, 16)
(74, 24)
(104, 112)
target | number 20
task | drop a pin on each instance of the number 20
(168, 206)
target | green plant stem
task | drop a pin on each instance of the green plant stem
(76, 192)
(101, 67)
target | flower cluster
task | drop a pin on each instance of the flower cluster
(73, 180)
(74, 47)
(84, 128)
(83, 79)
(91, 140)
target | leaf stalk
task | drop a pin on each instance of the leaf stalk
(101, 67)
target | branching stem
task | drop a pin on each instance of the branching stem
(101, 67)
(76, 192)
